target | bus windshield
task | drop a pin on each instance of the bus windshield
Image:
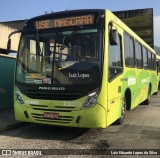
(72, 57)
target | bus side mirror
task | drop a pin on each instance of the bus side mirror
(113, 37)
(8, 46)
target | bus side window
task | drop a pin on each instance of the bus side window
(129, 50)
(115, 59)
(145, 58)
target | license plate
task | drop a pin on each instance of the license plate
(51, 115)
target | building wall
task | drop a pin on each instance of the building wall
(5, 29)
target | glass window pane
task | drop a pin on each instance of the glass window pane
(115, 60)
(138, 55)
(145, 62)
(129, 50)
(149, 60)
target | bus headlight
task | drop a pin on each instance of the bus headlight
(91, 99)
(19, 97)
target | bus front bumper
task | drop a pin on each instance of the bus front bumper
(94, 117)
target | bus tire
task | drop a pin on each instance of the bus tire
(123, 112)
(147, 101)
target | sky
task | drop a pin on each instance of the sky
(11, 10)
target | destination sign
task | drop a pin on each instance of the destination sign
(65, 22)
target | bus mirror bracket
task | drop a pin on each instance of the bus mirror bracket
(9, 40)
(8, 46)
(113, 37)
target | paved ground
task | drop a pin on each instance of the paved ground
(141, 130)
(7, 120)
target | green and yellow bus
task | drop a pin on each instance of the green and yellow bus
(81, 68)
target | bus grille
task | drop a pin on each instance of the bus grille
(61, 119)
(53, 96)
(54, 109)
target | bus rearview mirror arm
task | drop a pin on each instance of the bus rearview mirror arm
(9, 40)
(113, 37)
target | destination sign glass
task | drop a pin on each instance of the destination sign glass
(64, 22)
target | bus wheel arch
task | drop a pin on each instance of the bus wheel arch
(149, 92)
(125, 106)
(128, 98)
(150, 86)
(147, 101)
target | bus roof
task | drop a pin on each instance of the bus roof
(66, 12)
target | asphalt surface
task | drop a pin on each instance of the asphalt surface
(7, 120)
(141, 130)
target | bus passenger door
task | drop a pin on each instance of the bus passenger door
(115, 72)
